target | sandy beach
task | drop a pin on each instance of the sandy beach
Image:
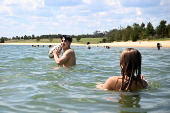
(135, 44)
(114, 44)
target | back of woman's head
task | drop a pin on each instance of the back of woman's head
(130, 61)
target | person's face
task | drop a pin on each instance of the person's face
(65, 43)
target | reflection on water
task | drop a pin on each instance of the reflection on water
(129, 100)
(30, 82)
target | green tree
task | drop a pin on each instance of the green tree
(168, 30)
(37, 38)
(25, 37)
(78, 38)
(59, 35)
(50, 38)
(2, 40)
(135, 32)
(126, 33)
(161, 29)
(104, 40)
(142, 33)
(142, 26)
(150, 30)
(33, 37)
(17, 37)
(111, 35)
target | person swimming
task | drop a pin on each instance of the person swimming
(88, 45)
(159, 46)
(68, 57)
(131, 79)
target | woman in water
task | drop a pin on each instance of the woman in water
(131, 79)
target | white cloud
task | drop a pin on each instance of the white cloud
(29, 5)
(87, 1)
(138, 11)
(27, 17)
(112, 3)
(100, 14)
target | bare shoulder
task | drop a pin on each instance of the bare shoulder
(112, 83)
(69, 51)
(113, 78)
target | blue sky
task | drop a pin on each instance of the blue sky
(74, 17)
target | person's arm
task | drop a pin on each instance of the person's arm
(61, 60)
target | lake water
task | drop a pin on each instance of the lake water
(30, 82)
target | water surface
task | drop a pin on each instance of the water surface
(30, 82)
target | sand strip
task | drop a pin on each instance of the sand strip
(114, 44)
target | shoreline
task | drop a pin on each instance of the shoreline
(113, 44)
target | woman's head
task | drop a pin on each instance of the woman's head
(130, 62)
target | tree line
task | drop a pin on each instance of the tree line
(134, 33)
(139, 32)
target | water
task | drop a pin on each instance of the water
(30, 82)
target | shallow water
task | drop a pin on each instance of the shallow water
(30, 82)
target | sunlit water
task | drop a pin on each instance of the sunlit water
(30, 82)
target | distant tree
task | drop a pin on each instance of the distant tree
(111, 35)
(142, 33)
(142, 26)
(118, 35)
(78, 38)
(161, 29)
(135, 32)
(17, 37)
(126, 33)
(2, 40)
(168, 30)
(104, 40)
(37, 38)
(25, 37)
(60, 35)
(150, 30)
(72, 36)
(51, 38)
(33, 37)
(96, 33)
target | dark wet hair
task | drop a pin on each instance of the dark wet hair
(88, 43)
(67, 38)
(130, 59)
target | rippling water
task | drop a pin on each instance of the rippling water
(30, 82)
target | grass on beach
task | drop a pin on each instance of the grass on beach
(82, 41)
(161, 39)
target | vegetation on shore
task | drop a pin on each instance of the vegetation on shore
(135, 32)
(82, 41)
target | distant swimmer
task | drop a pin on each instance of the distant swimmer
(88, 45)
(159, 46)
(107, 47)
(131, 79)
(49, 46)
(68, 58)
